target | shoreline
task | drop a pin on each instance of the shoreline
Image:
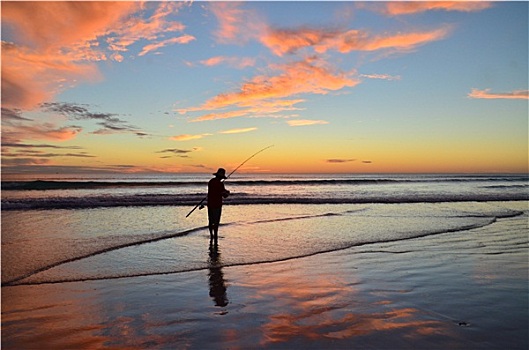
(108, 203)
(236, 230)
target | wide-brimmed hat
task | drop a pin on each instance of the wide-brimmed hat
(221, 173)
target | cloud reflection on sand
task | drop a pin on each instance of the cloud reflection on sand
(304, 305)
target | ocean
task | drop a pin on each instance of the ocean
(96, 191)
(59, 231)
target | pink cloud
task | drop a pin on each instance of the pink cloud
(486, 94)
(305, 122)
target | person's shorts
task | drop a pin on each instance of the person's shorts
(214, 215)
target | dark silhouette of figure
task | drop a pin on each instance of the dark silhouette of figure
(216, 192)
(217, 287)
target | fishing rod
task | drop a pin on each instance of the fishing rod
(227, 177)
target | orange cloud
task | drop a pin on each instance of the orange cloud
(395, 8)
(238, 131)
(45, 131)
(187, 137)
(400, 41)
(263, 107)
(60, 134)
(266, 93)
(155, 46)
(29, 77)
(235, 23)
(309, 76)
(223, 115)
(213, 61)
(282, 42)
(57, 41)
(58, 23)
(516, 94)
(230, 16)
(305, 122)
(258, 109)
(296, 78)
(232, 61)
(136, 28)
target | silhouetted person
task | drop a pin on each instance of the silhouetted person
(216, 192)
(217, 287)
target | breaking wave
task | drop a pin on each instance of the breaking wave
(43, 185)
(138, 200)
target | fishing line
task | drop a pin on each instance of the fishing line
(227, 177)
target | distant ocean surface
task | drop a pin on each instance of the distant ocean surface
(76, 192)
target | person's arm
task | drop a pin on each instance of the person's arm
(225, 192)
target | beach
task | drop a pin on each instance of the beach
(461, 283)
(303, 261)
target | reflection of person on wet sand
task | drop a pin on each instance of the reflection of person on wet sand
(217, 287)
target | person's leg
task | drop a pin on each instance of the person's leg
(218, 213)
(211, 221)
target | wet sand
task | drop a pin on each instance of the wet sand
(460, 290)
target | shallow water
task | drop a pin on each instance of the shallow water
(75, 245)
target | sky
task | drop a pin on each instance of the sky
(335, 87)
